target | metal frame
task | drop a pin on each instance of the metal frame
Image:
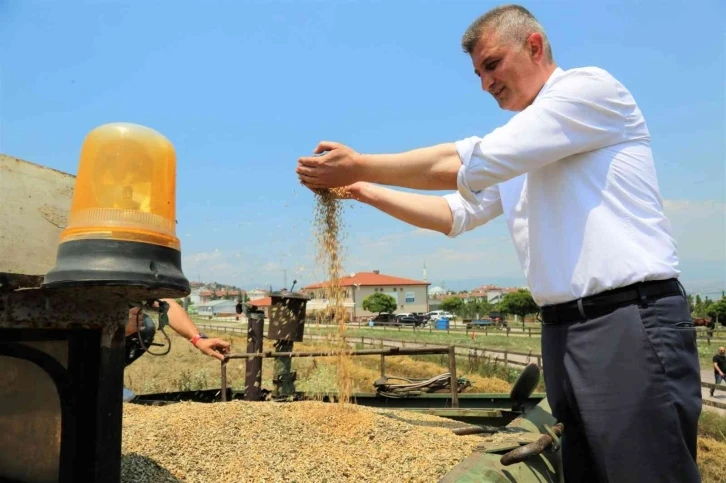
(393, 351)
(89, 387)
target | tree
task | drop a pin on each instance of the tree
(452, 304)
(698, 309)
(379, 302)
(519, 303)
(718, 309)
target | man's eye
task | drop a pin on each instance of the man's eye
(492, 65)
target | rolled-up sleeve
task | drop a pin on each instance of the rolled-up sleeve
(578, 113)
(467, 215)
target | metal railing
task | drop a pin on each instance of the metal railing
(393, 351)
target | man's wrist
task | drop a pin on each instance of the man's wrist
(360, 164)
(194, 340)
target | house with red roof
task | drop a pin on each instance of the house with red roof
(410, 295)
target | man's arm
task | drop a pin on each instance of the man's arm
(430, 168)
(450, 214)
(183, 325)
(424, 211)
(582, 112)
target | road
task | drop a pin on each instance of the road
(718, 396)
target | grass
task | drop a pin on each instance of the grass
(494, 339)
(186, 369)
(712, 447)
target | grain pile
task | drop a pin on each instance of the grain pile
(329, 237)
(303, 441)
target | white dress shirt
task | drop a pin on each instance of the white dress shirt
(574, 176)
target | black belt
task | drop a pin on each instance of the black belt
(605, 302)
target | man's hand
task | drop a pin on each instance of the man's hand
(351, 192)
(213, 347)
(338, 167)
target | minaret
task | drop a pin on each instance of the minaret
(424, 272)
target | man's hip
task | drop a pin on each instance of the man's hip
(626, 385)
(595, 306)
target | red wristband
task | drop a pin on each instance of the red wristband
(195, 339)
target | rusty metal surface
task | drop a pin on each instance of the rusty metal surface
(15, 281)
(30, 420)
(532, 449)
(362, 352)
(62, 308)
(287, 317)
(454, 379)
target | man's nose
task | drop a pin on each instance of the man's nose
(486, 82)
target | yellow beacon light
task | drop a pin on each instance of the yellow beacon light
(122, 223)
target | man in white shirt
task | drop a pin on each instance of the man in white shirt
(574, 176)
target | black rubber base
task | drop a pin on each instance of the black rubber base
(153, 268)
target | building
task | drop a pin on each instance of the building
(257, 293)
(217, 308)
(410, 295)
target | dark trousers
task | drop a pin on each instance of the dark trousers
(626, 386)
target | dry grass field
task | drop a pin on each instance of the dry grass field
(185, 369)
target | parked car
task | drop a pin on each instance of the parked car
(480, 323)
(408, 319)
(384, 319)
(423, 317)
(437, 314)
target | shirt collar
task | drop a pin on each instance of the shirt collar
(556, 74)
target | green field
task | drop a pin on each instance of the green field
(494, 340)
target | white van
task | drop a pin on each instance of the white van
(437, 314)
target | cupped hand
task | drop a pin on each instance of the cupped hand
(213, 347)
(351, 192)
(339, 166)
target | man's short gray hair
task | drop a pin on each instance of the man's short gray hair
(513, 23)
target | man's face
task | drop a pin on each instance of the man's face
(722, 350)
(509, 72)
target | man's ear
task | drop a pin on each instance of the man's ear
(535, 47)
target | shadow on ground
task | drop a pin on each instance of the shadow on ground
(136, 468)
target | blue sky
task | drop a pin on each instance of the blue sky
(242, 89)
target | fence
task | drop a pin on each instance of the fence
(508, 357)
(703, 333)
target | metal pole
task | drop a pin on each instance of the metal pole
(383, 365)
(284, 378)
(253, 367)
(361, 352)
(224, 380)
(454, 379)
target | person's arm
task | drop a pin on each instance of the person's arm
(430, 168)
(581, 112)
(424, 211)
(449, 214)
(183, 325)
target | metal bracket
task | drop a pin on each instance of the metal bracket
(555, 444)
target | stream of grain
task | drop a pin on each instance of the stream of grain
(329, 235)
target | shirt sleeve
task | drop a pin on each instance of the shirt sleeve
(581, 112)
(468, 215)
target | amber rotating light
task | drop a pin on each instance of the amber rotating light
(122, 224)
